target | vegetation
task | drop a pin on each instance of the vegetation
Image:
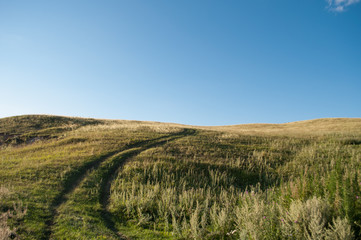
(74, 178)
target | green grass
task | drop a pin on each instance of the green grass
(106, 179)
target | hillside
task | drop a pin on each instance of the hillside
(308, 127)
(78, 178)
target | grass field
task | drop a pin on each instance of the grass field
(76, 178)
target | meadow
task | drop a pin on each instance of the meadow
(76, 178)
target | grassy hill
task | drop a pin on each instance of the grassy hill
(77, 178)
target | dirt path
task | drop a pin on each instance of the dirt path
(78, 176)
(116, 167)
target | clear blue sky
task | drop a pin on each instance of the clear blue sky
(198, 62)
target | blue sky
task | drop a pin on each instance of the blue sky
(197, 62)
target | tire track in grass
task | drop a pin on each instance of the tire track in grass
(113, 170)
(75, 178)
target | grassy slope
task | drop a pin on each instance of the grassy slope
(171, 184)
(308, 127)
(38, 172)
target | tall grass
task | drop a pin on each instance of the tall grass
(291, 181)
(243, 188)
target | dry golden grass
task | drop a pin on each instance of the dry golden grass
(309, 127)
(134, 126)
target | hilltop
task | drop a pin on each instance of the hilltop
(82, 178)
(28, 123)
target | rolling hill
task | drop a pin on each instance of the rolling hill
(78, 178)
